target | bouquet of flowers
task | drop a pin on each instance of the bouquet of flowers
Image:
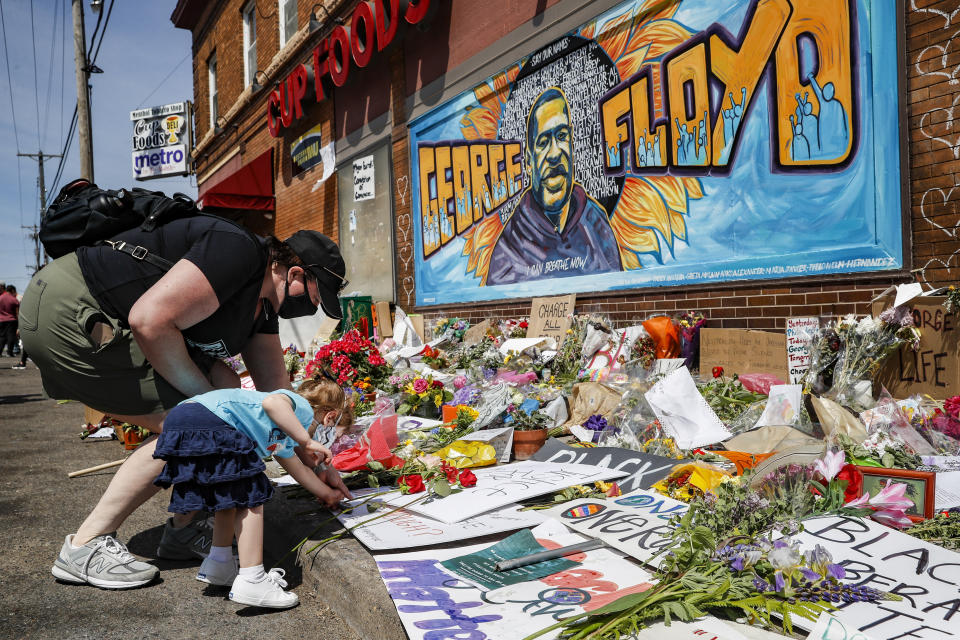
(293, 360)
(645, 351)
(942, 428)
(457, 326)
(727, 396)
(434, 358)
(423, 393)
(466, 356)
(523, 421)
(514, 328)
(351, 359)
(952, 303)
(690, 325)
(434, 475)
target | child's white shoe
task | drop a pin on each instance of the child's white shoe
(218, 573)
(266, 593)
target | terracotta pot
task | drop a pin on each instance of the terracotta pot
(132, 439)
(527, 443)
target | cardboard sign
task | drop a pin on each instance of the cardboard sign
(503, 485)
(404, 529)
(744, 351)
(923, 574)
(382, 319)
(933, 369)
(475, 333)
(636, 524)
(799, 333)
(416, 320)
(645, 469)
(433, 603)
(550, 317)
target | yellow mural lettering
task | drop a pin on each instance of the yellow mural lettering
(689, 101)
(649, 141)
(739, 70)
(513, 168)
(814, 85)
(444, 195)
(428, 204)
(460, 156)
(479, 183)
(615, 132)
(497, 177)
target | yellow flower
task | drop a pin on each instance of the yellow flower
(603, 486)
(569, 332)
(408, 441)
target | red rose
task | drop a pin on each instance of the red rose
(436, 384)
(952, 406)
(451, 473)
(467, 479)
(524, 325)
(854, 479)
(717, 372)
(414, 483)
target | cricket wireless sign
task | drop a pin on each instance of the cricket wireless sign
(161, 140)
(372, 28)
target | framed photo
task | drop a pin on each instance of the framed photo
(920, 487)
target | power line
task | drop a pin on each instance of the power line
(53, 50)
(36, 89)
(63, 65)
(6, 59)
(106, 21)
(160, 84)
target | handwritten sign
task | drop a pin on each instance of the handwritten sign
(363, 185)
(433, 603)
(550, 317)
(645, 469)
(934, 368)
(636, 524)
(924, 575)
(404, 529)
(829, 627)
(743, 351)
(502, 485)
(799, 333)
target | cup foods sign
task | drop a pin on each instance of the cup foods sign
(162, 138)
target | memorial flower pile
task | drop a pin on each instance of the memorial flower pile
(456, 326)
(293, 360)
(350, 359)
(421, 392)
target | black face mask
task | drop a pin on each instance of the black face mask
(296, 306)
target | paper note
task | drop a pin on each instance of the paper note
(947, 490)
(363, 184)
(799, 333)
(683, 412)
(501, 485)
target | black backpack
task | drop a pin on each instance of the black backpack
(83, 215)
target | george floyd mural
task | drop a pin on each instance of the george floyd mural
(668, 142)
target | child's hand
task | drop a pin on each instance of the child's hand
(318, 453)
(329, 497)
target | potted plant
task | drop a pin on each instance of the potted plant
(352, 361)
(423, 397)
(131, 434)
(529, 431)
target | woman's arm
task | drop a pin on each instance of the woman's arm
(180, 299)
(263, 356)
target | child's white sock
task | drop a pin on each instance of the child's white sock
(221, 554)
(253, 574)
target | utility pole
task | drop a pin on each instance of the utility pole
(35, 231)
(83, 92)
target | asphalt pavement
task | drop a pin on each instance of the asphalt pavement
(39, 505)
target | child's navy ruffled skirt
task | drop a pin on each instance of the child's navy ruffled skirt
(210, 465)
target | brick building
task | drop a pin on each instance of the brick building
(367, 149)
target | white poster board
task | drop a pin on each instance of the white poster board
(799, 333)
(636, 524)
(683, 412)
(429, 598)
(406, 530)
(924, 575)
(363, 183)
(502, 485)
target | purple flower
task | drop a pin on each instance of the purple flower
(778, 581)
(737, 564)
(810, 574)
(760, 584)
(836, 571)
(595, 422)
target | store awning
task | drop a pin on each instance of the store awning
(249, 187)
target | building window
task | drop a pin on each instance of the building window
(288, 20)
(249, 43)
(212, 88)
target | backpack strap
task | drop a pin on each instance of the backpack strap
(140, 253)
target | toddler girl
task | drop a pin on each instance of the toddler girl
(213, 445)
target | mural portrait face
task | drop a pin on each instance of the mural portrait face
(549, 154)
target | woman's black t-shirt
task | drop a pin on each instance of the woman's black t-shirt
(233, 260)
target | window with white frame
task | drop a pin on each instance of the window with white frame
(249, 43)
(288, 20)
(212, 88)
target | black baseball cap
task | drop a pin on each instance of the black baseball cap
(321, 257)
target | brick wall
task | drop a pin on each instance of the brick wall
(933, 93)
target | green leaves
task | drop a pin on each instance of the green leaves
(440, 486)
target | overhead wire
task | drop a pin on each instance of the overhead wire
(36, 88)
(6, 59)
(53, 50)
(63, 66)
(167, 77)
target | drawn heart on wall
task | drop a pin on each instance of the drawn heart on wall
(932, 207)
(402, 183)
(946, 264)
(949, 126)
(405, 254)
(947, 17)
(403, 223)
(936, 65)
(408, 289)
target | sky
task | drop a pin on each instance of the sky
(145, 61)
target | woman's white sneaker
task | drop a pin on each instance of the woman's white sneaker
(266, 593)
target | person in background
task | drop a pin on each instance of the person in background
(132, 339)
(9, 308)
